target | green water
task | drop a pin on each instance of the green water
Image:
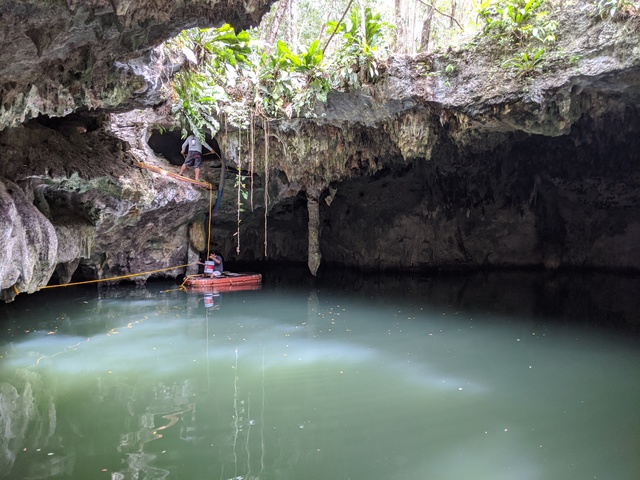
(478, 377)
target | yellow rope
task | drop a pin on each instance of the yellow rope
(118, 278)
(210, 210)
(187, 277)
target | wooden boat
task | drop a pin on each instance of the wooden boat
(226, 282)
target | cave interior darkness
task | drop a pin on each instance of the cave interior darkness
(167, 143)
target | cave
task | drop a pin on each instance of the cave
(167, 143)
(443, 242)
(485, 169)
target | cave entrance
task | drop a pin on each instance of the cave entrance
(167, 144)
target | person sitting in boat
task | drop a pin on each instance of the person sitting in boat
(216, 258)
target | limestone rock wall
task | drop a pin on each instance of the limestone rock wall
(84, 204)
(477, 168)
(71, 197)
(29, 243)
(57, 56)
(424, 190)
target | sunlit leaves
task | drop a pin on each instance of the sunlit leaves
(188, 53)
(357, 57)
(523, 24)
(517, 20)
(230, 74)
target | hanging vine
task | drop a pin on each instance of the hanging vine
(252, 142)
(230, 77)
(239, 180)
(265, 127)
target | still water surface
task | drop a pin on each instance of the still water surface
(517, 378)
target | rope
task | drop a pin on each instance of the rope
(210, 215)
(118, 278)
(252, 142)
(187, 277)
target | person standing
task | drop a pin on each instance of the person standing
(194, 155)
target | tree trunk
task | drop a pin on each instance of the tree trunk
(426, 30)
(399, 40)
(275, 25)
(413, 26)
(363, 22)
(453, 13)
(292, 25)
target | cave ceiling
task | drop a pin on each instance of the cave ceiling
(59, 55)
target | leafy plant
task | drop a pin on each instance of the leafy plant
(292, 82)
(216, 58)
(518, 20)
(525, 26)
(573, 59)
(229, 74)
(357, 58)
(527, 62)
(613, 8)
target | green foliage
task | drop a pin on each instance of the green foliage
(517, 20)
(574, 59)
(290, 82)
(216, 57)
(523, 25)
(527, 62)
(614, 8)
(228, 74)
(357, 57)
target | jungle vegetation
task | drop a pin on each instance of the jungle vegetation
(303, 49)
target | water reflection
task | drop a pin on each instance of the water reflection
(459, 377)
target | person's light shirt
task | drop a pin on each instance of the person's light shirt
(194, 144)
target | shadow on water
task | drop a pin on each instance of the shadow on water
(597, 299)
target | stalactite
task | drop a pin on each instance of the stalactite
(313, 253)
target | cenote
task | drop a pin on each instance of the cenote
(478, 376)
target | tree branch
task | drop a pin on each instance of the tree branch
(441, 13)
(337, 26)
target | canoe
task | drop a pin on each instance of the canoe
(227, 282)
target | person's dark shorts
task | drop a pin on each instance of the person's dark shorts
(194, 159)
